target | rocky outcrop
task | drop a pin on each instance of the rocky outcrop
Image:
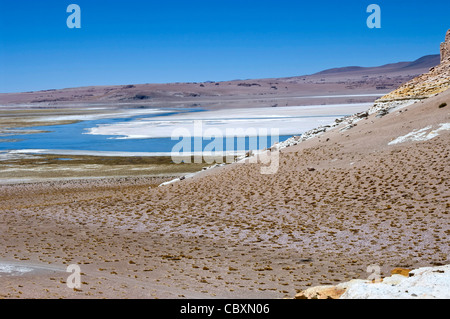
(428, 84)
(445, 47)
(422, 283)
(321, 292)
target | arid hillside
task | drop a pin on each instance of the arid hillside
(340, 81)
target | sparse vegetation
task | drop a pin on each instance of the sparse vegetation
(442, 105)
(141, 97)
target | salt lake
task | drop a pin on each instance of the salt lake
(153, 132)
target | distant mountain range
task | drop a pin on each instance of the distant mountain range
(352, 80)
(420, 64)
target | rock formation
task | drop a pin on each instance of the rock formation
(445, 47)
(422, 283)
(435, 81)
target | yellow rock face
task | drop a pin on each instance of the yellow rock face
(401, 271)
(445, 47)
(321, 292)
(428, 84)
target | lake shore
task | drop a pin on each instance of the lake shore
(18, 167)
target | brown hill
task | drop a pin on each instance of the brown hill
(416, 66)
(344, 81)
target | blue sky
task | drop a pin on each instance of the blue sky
(137, 41)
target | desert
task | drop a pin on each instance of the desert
(371, 188)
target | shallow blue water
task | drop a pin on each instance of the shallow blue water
(71, 137)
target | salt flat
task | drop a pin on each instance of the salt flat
(291, 120)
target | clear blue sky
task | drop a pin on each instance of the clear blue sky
(147, 41)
